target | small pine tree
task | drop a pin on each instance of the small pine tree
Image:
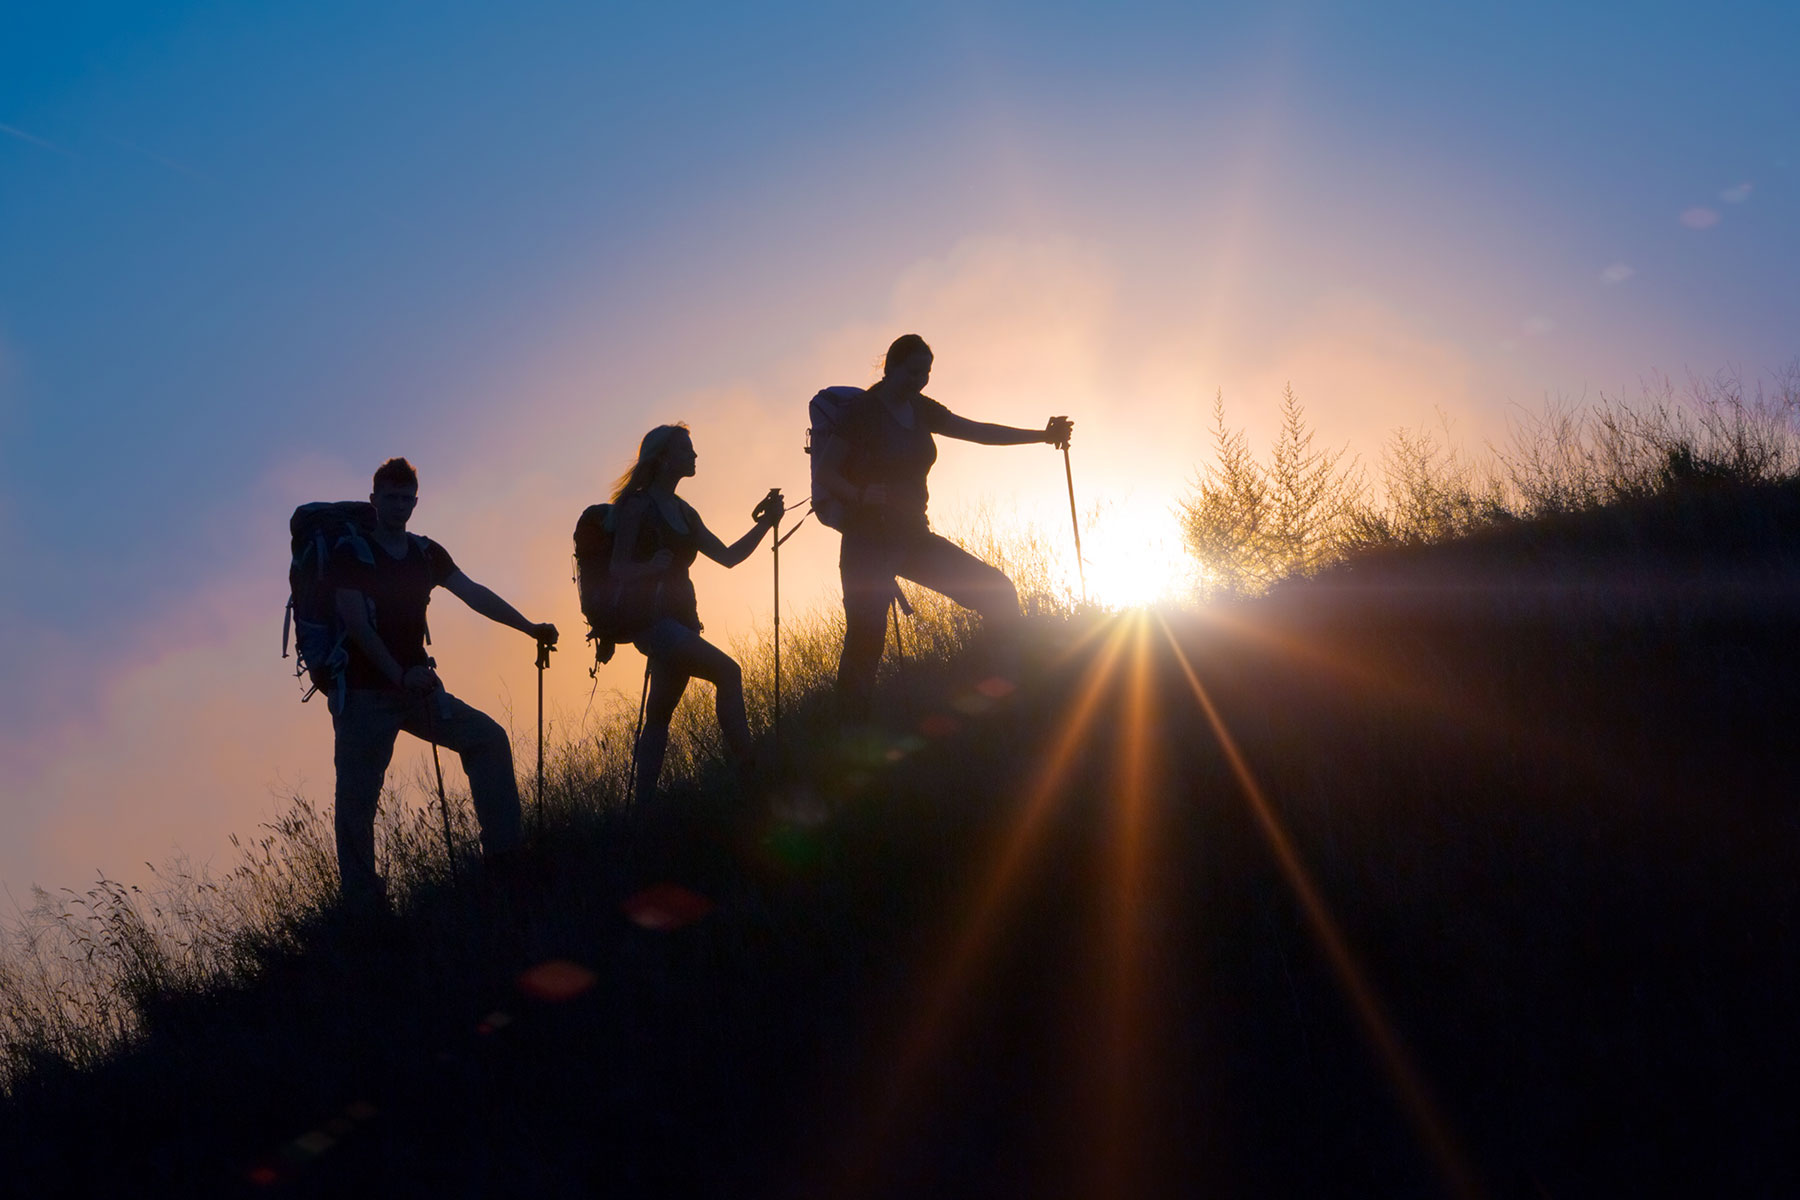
(1222, 521)
(1251, 526)
(1311, 493)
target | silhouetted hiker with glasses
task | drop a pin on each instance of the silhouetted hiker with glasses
(657, 538)
(874, 463)
(390, 685)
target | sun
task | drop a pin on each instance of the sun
(1132, 555)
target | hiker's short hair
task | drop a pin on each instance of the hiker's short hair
(903, 348)
(396, 471)
(650, 454)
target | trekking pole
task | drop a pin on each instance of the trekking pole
(775, 718)
(543, 660)
(1074, 521)
(443, 800)
(775, 553)
(637, 735)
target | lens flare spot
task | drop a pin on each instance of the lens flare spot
(1736, 195)
(996, 687)
(937, 725)
(1616, 273)
(1700, 218)
(972, 705)
(264, 1176)
(315, 1143)
(800, 807)
(793, 846)
(556, 981)
(666, 906)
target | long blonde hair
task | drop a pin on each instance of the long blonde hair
(650, 453)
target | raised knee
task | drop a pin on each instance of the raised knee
(1003, 600)
(491, 735)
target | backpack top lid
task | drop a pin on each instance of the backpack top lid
(310, 519)
(828, 406)
(593, 532)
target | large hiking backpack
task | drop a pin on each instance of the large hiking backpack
(826, 411)
(594, 585)
(317, 530)
(609, 606)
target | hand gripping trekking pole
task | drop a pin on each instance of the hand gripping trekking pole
(543, 660)
(1074, 521)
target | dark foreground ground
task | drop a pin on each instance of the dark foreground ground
(1452, 875)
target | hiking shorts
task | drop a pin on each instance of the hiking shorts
(662, 637)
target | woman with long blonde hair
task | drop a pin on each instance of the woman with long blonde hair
(657, 537)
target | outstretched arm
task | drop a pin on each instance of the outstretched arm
(491, 606)
(768, 515)
(1055, 432)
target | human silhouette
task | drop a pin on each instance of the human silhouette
(875, 462)
(391, 685)
(658, 536)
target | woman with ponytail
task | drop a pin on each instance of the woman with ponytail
(657, 538)
(875, 462)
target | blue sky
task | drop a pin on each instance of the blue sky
(248, 251)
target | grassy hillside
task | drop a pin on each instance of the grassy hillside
(1460, 869)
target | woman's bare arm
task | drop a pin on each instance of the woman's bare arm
(728, 556)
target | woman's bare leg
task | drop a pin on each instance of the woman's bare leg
(667, 683)
(694, 657)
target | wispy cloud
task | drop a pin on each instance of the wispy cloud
(35, 140)
(159, 159)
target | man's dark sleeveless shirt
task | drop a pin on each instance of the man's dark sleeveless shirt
(886, 452)
(399, 590)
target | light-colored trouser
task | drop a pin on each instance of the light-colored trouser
(366, 727)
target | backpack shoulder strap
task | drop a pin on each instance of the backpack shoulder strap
(353, 537)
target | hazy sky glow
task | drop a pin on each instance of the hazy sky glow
(248, 252)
